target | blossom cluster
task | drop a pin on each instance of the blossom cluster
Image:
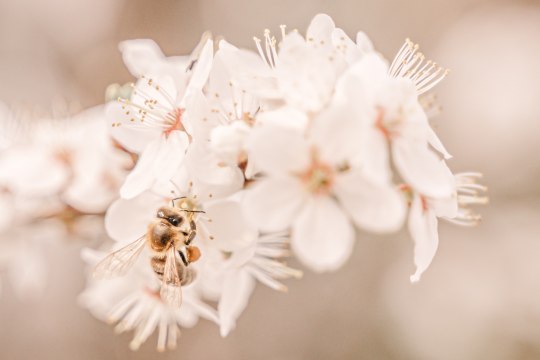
(282, 152)
(54, 172)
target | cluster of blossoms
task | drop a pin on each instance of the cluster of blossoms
(282, 153)
(54, 172)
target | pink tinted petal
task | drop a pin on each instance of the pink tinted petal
(278, 150)
(128, 219)
(228, 227)
(273, 204)
(421, 169)
(376, 207)
(423, 230)
(322, 236)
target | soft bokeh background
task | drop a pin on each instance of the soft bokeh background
(481, 297)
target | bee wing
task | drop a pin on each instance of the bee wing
(171, 290)
(120, 261)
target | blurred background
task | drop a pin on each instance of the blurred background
(480, 299)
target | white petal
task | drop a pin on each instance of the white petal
(338, 134)
(140, 55)
(421, 169)
(158, 162)
(423, 229)
(377, 207)
(202, 69)
(322, 236)
(134, 139)
(346, 46)
(278, 150)
(306, 76)
(209, 172)
(364, 43)
(319, 32)
(437, 144)
(128, 219)
(237, 288)
(159, 87)
(273, 204)
(286, 116)
(228, 227)
(376, 162)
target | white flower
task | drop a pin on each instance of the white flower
(134, 304)
(396, 121)
(156, 122)
(311, 187)
(425, 211)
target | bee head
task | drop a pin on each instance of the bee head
(171, 216)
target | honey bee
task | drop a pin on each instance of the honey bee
(171, 232)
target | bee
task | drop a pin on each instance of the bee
(170, 233)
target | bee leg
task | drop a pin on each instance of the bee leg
(191, 236)
(183, 257)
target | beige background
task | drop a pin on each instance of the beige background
(481, 297)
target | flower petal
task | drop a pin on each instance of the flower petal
(237, 288)
(322, 236)
(133, 138)
(273, 204)
(228, 227)
(319, 32)
(423, 229)
(437, 143)
(202, 69)
(421, 169)
(128, 219)
(158, 162)
(376, 207)
(285, 116)
(140, 55)
(278, 150)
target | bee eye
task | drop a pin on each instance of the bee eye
(174, 221)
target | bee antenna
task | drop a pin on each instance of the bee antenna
(177, 198)
(194, 211)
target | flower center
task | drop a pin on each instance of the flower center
(318, 178)
(175, 119)
(385, 125)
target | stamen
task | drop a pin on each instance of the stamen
(410, 64)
